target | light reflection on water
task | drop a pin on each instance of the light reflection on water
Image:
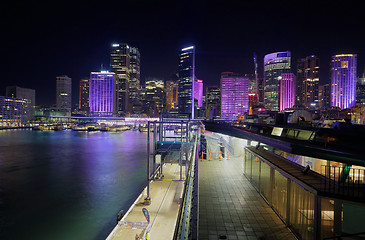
(67, 185)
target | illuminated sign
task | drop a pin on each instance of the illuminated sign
(188, 48)
(252, 94)
(115, 45)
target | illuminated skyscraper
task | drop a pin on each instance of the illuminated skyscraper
(343, 80)
(307, 81)
(198, 92)
(154, 97)
(171, 90)
(28, 95)
(275, 64)
(360, 90)
(324, 96)
(63, 94)
(234, 95)
(125, 63)
(213, 102)
(103, 95)
(186, 72)
(287, 91)
(84, 95)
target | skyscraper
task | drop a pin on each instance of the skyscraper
(234, 95)
(63, 94)
(360, 90)
(287, 91)
(171, 90)
(275, 64)
(198, 92)
(84, 95)
(154, 97)
(134, 79)
(307, 81)
(324, 96)
(186, 72)
(213, 102)
(125, 63)
(343, 80)
(28, 95)
(103, 99)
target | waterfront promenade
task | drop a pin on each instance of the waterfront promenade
(230, 207)
(163, 210)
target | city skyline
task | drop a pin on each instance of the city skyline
(60, 45)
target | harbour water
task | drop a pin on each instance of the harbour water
(67, 185)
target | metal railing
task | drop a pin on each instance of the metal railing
(347, 236)
(345, 180)
(187, 222)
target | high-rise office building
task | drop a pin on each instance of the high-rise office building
(125, 63)
(275, 64)
(234, 95)
(63, 94)
(324, 95)
(103, 94)
(186, 72)
(198, 93)
(84, 95)
(154, 96)
(28, 95)
(360, 90)
(343, 80)
(213, 102)
(134, 79)
(11, 111)
(171, 90)
(287, 91)
(307, 82)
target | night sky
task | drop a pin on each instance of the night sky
(42, 41)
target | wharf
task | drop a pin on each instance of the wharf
(229, 206)
(166, 197)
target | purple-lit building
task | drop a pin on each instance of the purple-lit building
(234, 95)
(198, 92)
(287, 91)
(343, 80)
(103, 94)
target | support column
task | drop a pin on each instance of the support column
(317, 217)
(337, 225)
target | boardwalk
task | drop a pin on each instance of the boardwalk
(230, 207)
(163, 210)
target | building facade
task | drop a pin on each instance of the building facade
(103, 94)
(275, 64)
(234, 95)
(171, 89)
(307, 82)
(324, 95)
(154, 99)
(28, 95)
(360, 90)
(11, 111)
(63, 94)
(186, 72)
(84, 95)
(125, 63)
(287, 91)
(213, 102)
(343, 80)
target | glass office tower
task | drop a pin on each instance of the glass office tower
(103, 100)
(234, 95)
(84, 95)
(186, 72)
(63, 94)
(307, 81)
(287, 91)
(343, 80)
(275, 64)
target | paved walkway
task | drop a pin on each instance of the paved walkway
(230, 206)
(163, 210)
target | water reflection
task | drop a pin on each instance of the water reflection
(67, 185)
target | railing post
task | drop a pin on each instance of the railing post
(288, 201)
(148, 198)
(317, 217)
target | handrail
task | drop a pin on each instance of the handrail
(183, 226)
